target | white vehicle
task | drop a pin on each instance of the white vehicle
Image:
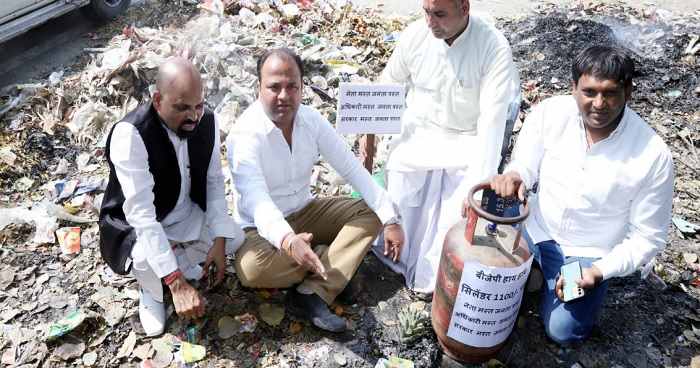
(19, 16)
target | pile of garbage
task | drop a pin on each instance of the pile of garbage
(336, 42)
(60, 305)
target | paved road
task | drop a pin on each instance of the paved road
(45, 49)
(60, 42)
(50, 47)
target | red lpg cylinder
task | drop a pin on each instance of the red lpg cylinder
(499, 262)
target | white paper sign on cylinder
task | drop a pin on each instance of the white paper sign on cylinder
(487, 303)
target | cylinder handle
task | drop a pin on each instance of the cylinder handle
(491, 217)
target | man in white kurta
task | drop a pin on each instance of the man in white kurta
(461, 80)
(272, 152)
(605, 190)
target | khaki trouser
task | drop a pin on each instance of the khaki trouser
(348, 225)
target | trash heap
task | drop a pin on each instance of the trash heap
(59, 303)
(337, 43)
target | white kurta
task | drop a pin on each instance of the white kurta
(611, 201)
(452, 133)
(153, 256)
(273, 181)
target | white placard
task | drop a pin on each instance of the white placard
(487, 303)
(370, 108)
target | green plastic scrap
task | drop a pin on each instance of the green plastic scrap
(307, 40)
(66, 325)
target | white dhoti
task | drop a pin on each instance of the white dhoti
(430, 203)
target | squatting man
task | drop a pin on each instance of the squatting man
(314, 245)
(164, 210)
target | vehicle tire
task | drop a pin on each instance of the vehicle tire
(103, 10)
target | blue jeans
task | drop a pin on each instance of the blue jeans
(569, 322)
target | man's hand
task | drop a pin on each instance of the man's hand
(508, 184)
(590, 278)
(216, 257)
(188, 302)
(298, 246)
(393, 241)
(367, 151)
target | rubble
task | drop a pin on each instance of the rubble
(53, 173)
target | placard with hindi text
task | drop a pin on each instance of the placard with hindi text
(370, 108)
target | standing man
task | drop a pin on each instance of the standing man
(293, 239)
(165, 198)
(605, 188)
(461, 80)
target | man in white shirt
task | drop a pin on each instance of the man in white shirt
(605, 188)
(272, 151)
(164, 209)
(461, 82)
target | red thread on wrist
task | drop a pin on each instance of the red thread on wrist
(169, 279)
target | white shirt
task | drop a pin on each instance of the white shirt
(458, 98)
(185, 222)
(611, 201)
(273, 181)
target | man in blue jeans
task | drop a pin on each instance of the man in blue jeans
(605, 188)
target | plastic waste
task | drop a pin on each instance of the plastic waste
(65, 325)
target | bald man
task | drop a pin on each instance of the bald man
(164, 211)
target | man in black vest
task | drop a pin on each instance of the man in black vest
(164, 210)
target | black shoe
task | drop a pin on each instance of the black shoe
(313, 308)
(347, 296)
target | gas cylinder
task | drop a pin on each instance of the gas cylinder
(490, 241)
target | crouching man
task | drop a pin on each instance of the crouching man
(164, 210)
(293, 239)
(605, 188)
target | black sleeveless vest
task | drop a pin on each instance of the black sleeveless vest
(116, 236)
